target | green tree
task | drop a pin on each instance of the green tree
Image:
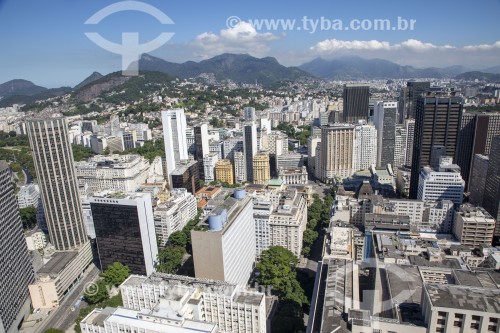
(53, 330)
(170, 259)
(289, 319)
(81, 153)
(28, 217)
(115, 274)
(178, 238)
(277, 269)
(98, 292)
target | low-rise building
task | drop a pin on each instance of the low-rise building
(173, 214)
(445, 183)
(224, 172)
(473, 226)
(229, 306)
(115, 172)
(288, 221)
(58, 276)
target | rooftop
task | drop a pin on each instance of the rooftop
(464, 297)
(180, 169)
(58, 262)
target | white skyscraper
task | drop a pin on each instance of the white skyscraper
(174, 134)
(209, 162)
(240, 170)
(399, 147)
(224, 243)
(365, 147)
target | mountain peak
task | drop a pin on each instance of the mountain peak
(19, 87)
(240, 68)
(93, 77)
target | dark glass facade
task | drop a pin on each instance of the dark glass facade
(415, 90)
(356, 103)
(118, 236)
(491, 198)
(476, 133)
(187, 177)
(437, 124)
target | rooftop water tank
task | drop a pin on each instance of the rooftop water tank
(239, 193)
(215, 222)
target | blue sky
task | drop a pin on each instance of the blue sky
(44, 41)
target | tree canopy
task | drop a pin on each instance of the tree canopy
(97, 292)
(115, 274)
(277, 269)
(28, 217)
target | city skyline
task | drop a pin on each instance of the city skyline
(460, 37)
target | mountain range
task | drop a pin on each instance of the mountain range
(243, 68)
(356, 68)
(240, 68)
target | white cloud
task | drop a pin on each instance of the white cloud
(242, 38)
(333, 45)
(483, 47)
(411, 52)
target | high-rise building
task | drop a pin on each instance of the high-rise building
(262, 209)
(115, 144)
(249, 114)
(224, 245)
(365, 147)
(444, 183)
(250, 148)
(437, 124)
(414, 90)
(129, 139)
(399, 147)
(491, 198)
(186, 175)
(125, 230)
(356, 102)
(201, 141)
(477, 130)
(337, 152)
(312, 143)
(209, 162)
(410, 135)
(216, 146)
(278, 143)
(288, 221)
(231, 145)
(240, 168)
(402, 104)
(478, 177)
(201, 146)
(174, 134)
(224, 172)
(261, 168)
(56, 175)
(16, 272)
(385, 120)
